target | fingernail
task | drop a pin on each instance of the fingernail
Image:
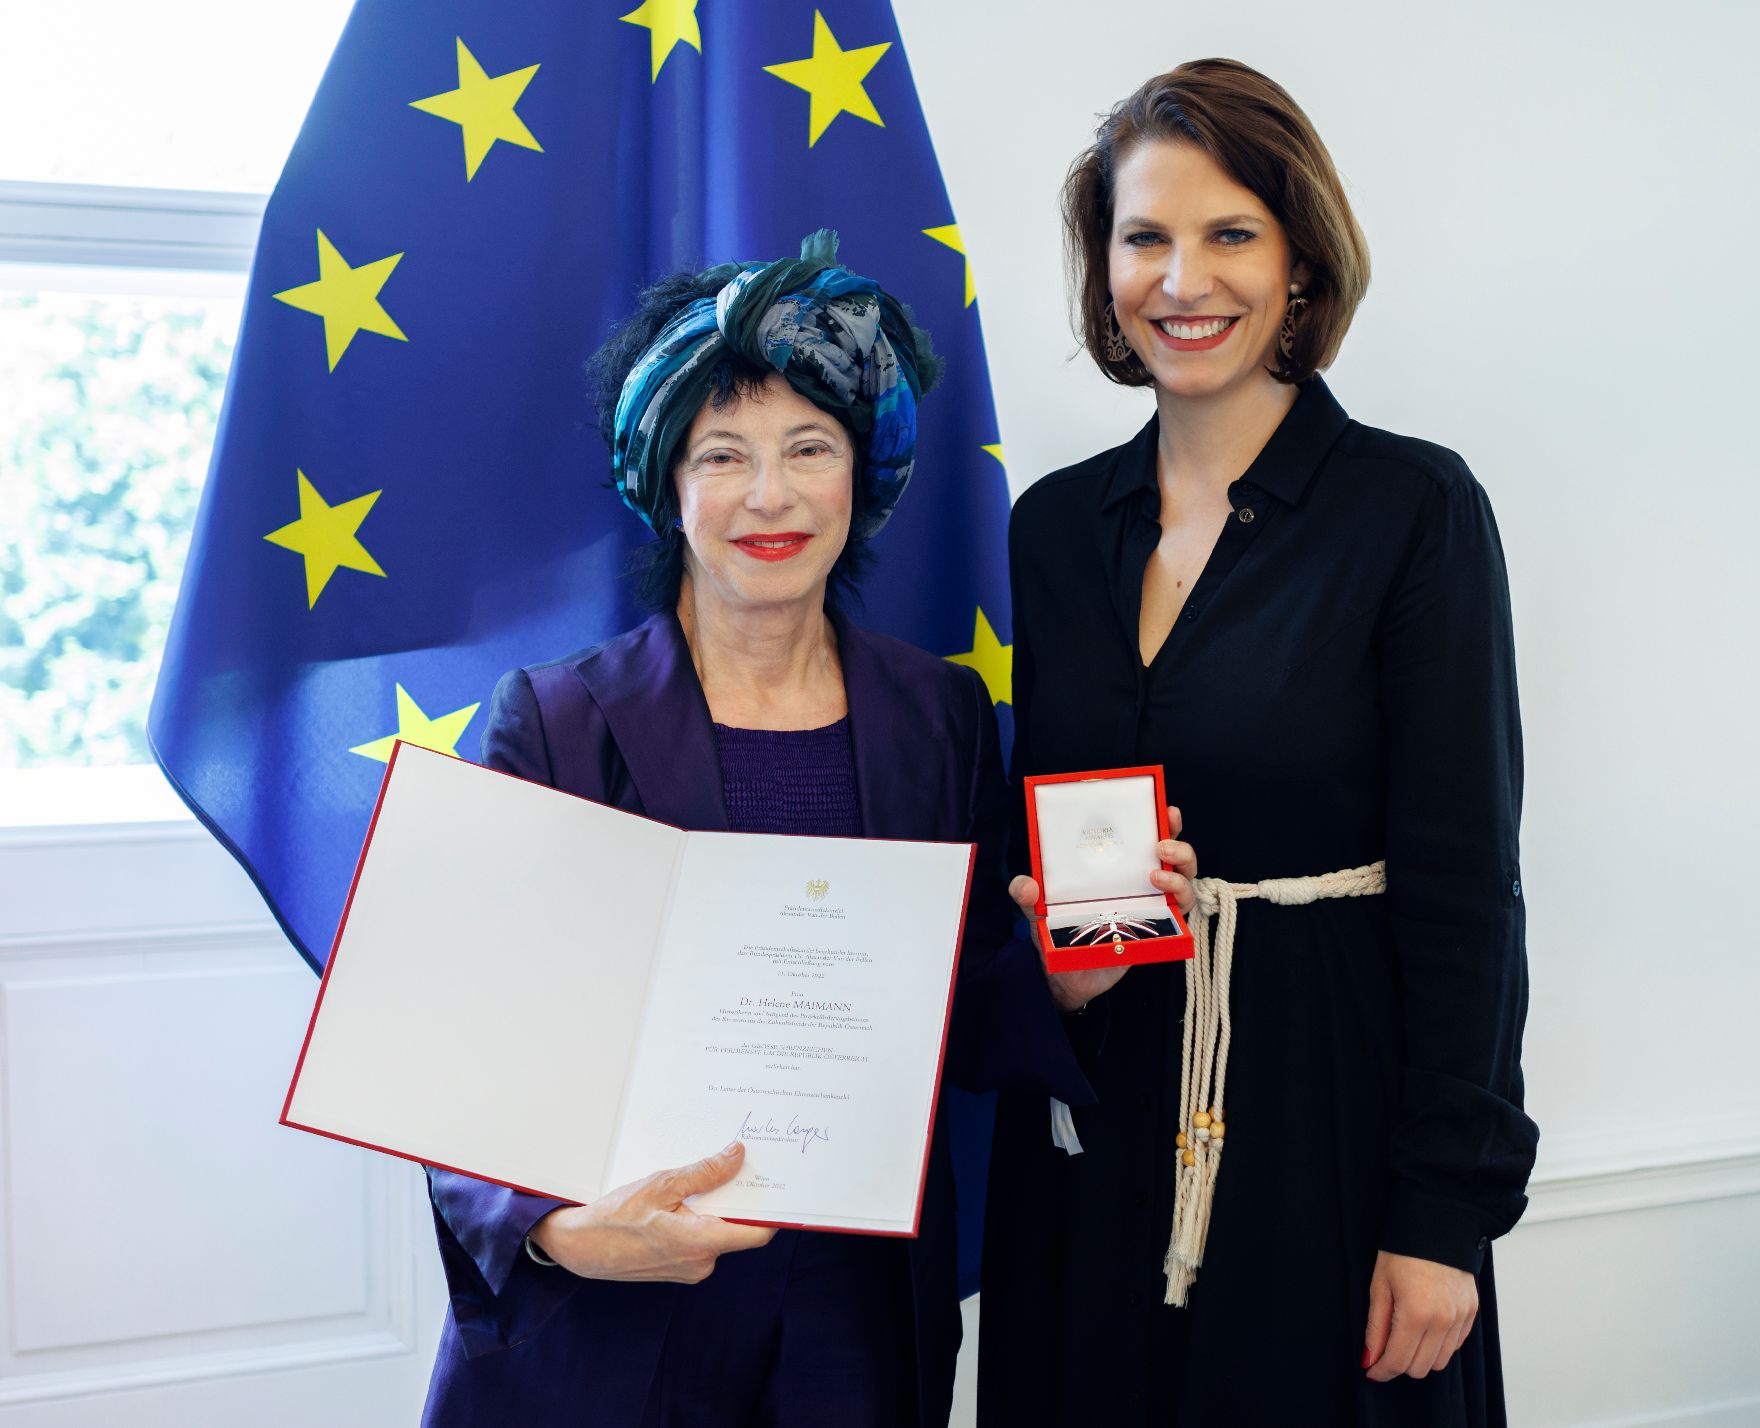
(1368, 1358)
(731, 1148)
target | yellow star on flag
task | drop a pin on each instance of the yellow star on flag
(414, 727)
(949, 235)
(991, 658)
(346, 298)
(833, 76)
(669, 23)
(482, 107)
(995, 449)
(325, 536)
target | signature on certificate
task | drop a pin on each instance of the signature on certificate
(760, 1127)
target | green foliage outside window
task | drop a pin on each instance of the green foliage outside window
(107, 411)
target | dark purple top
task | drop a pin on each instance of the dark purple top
(790, 780)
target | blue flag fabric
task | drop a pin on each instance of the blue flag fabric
(407, 495)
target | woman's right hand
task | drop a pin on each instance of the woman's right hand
(1070, 990)
(645, 1231)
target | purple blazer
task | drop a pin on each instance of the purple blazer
(626, 724)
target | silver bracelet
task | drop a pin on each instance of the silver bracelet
(537, 1255)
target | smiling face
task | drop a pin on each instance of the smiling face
(764, 489)
(1199, 271)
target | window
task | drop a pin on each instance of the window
(126, 229)
(104, 440)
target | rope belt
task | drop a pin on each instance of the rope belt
(1203, 1073)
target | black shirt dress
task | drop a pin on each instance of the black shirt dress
(1339, 688)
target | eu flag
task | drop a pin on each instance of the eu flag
(407, 496)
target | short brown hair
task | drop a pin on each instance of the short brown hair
(1262, 140)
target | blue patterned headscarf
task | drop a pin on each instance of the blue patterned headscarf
(839, 339)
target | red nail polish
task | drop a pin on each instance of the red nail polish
(1368, 1358)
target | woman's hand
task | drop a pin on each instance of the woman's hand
(1420, 1313)
(645, 1231)
(1074, 990)
(1182, 859)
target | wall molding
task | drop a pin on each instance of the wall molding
(95, 225)
(390, 1328)
(242, 937)
(1645, 1187)
(1723, 1135)
(1613, 1170)
(81, 1383)
(105, 884)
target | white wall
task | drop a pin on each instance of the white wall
(1561, 207)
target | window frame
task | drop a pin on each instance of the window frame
(92, 226)
(117, 236)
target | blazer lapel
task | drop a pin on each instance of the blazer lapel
(646, 686)
(891, 740)
(647, 689)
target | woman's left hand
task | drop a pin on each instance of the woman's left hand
(1072, 991)
(1182, 859)
(1420, 1313)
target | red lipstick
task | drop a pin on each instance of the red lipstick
(1195, 344)
(782, 545)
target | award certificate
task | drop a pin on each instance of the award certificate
(562, 997)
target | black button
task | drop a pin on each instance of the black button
(1143, 1101)
(1246, 515)
(1141, 1198)
(1135, 1298)
(1484, 1244)
(1191, 613)
(1515, 888)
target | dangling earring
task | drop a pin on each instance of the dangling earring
(1116, 349)
(1286, 336)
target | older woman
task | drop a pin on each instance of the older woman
(1279, 1208)
(762, 422)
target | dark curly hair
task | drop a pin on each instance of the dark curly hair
(658, 567)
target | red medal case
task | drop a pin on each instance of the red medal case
(1113, 889)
